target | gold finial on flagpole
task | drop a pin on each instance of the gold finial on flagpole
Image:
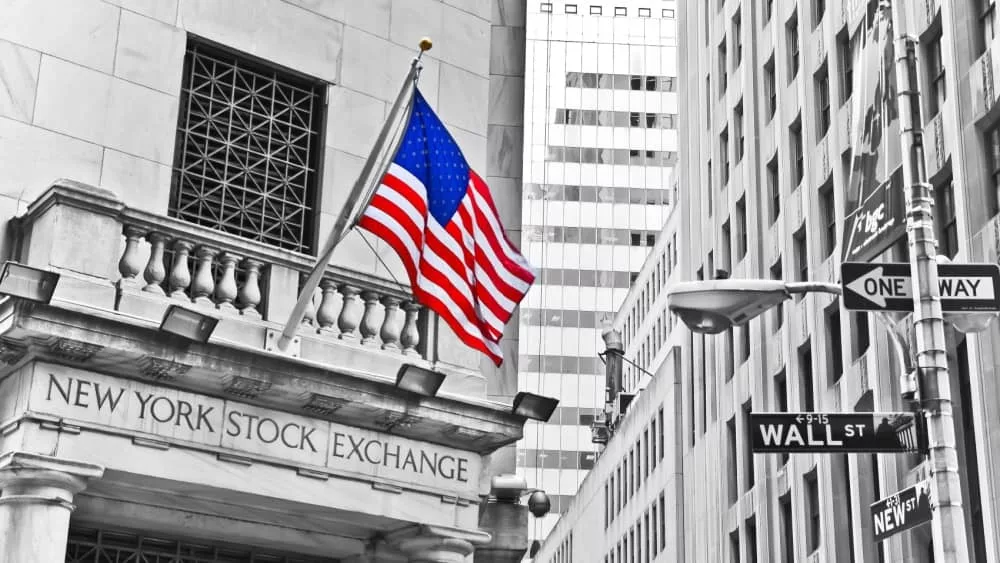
(425, 44)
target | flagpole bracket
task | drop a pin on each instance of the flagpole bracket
(275, 342)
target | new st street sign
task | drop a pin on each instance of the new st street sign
(889, 287)
(906, 509)
(808, 432)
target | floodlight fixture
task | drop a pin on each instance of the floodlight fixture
(188, 323)
(535, 407)
(25, 282)
(421, 381)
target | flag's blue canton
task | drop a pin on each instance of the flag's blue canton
(430, 153)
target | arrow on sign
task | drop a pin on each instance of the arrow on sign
(877, 287)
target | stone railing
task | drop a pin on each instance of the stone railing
(214, 270)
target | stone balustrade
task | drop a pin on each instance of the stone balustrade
(191, 264)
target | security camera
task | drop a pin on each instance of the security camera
(539, 504)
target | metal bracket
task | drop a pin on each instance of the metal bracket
(271, 338)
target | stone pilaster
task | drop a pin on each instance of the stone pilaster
(436, 544)
(36, 499)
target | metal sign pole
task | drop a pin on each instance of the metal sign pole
(948, 525)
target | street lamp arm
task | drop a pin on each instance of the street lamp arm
(811, 286)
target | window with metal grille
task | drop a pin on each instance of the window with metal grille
(91, 545)
(248, 148)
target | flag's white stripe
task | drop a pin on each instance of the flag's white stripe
(484, 279)
(461, 287)
(388, 221)
(409, 179)
(497, 231)
(465, 323)
(403, 204)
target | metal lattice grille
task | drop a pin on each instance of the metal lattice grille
(247, 150)
(89, 545)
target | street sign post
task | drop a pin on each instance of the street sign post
(889, 287)
(809, 432)
(906, 509)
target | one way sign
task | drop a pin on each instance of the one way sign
(889, 287)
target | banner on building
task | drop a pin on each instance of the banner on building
(874, 200)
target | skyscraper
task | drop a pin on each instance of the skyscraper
(600, 143)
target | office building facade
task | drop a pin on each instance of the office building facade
(176, 164)
(600, 142)
(765, 124)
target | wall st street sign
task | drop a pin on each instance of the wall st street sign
(889, 287)
(809, 432)
(906, 509)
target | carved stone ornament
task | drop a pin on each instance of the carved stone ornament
(11, 353)
(324, 405)
(390, 420)
(161, 369)
(246, 387)
(73, 350)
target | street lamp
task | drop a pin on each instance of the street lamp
(714, 306)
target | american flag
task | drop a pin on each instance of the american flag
(438, 215)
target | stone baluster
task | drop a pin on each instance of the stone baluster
(225, 287)
(203, 285)
(369, 323)
(350, 313)
(326, 315)
(130, 263)
(155, 271)
(392, 324)
(180, 273)
(309, 315)
(249, 295)
(410, 335)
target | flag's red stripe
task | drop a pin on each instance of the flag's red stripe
(493, 236)
(438, 307)
(386, 234)
(407, 191)
(404, 220)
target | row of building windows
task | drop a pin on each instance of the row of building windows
(589, 235)
(663, 269)
(645, 539)
(556, 459)
(598, 194)
(564, 553)
(669, 13)
(587, 278)
(594, 155)
(621, 81)
(553, 364)
(608, 118)
(569, 318)
(634, 468)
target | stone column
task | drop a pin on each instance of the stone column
(424, 543)
(36, 499)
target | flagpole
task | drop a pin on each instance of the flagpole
(948, 529)
(362, 190)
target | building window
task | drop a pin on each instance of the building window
(570, 8)
(725, 250)
(734, 546)
(741, 228)
(248, 149)
(787, 530)
(731, 462)
(768, 10)
(945, 219)
(644, 12)
(748, 467)
(935, 71)
(621, 11)
(835, 367)
(819, 7)
(993, 158)
(737, 39)
(595, 10)
(781, 401)
(724, 155)
(813, 529)
(770, 88)
(845, 51)
(738, 130)
(751, 526)
(723, 75)
(546, 7)
(774, 190)
(806, 373)
(987, 24)
(668, 13)
(800, 246)
(828, 214)
(708, 101)
(779, 309)
(796, 157)
(711, 185)
(822, 83)
(860, 334)
(792, 41)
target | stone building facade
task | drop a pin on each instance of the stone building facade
(195, 153)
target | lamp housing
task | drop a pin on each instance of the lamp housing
(421, 381)
(26, 282)
(188, 323)
(535, 407)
